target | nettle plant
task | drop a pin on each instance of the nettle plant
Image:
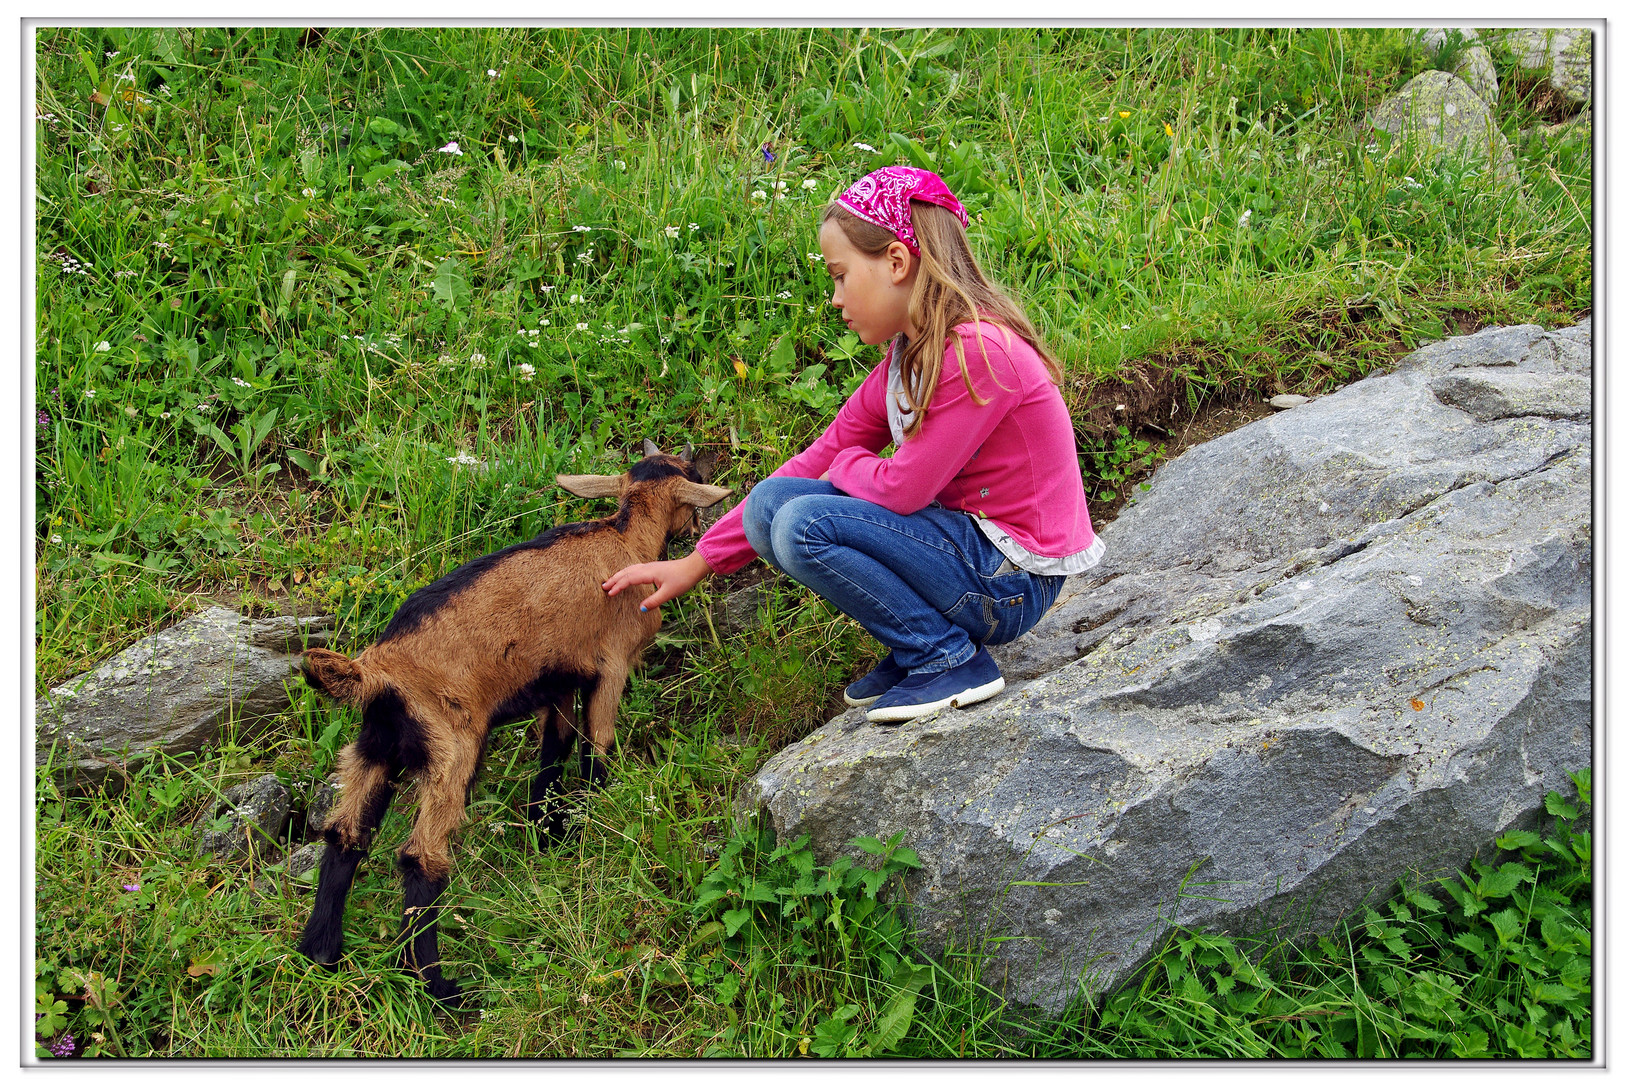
(765, 898)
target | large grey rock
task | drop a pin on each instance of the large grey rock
(1346, 642)
(1562, 55)
(1436, 109)
(172, 692)
(1472, 65)
(247, 820)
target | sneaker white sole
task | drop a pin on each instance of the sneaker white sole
(850, 700)
(959, 701)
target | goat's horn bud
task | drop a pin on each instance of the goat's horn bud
(688, 453)
(649, 448)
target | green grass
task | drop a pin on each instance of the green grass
(276, 325)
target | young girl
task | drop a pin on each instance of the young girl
(963, 537)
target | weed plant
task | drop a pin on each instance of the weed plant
(319, 313)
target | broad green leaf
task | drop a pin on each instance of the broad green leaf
(1517, 839)
(1472, 943)
(222, 440)
(1508, 926)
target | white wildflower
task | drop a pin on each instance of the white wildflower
(240, 382)
(581, 326)
(1245, 216)
(865, 146)
(545, 322)
(814, 256)
(163, 416)
(491, 72)
(450, 148)
(513, 138)
(808, 184)
(527, 372)
(693, 225)
(785, 295)
(581, 228)
(758, 194)
(56, 538)
(672, 232)
(575, 298)
(621, 165)
(102, 346)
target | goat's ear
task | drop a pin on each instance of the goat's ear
(591, 487)
(333, 674)
(702, 494)
(649, 448)
(706, 464)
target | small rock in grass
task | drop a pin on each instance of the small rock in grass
(1288, 401)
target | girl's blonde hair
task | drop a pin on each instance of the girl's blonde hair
(949, 289)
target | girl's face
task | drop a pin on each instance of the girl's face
(871, 291)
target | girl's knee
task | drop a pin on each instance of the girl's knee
(772, 502)
(760, 510)
(797, 531)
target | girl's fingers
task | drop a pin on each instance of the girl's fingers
(658, 597)
(631, 575)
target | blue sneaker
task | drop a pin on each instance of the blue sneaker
(977, 679)
(868, 689)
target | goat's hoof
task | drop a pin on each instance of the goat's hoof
(446, 991)
(326, 957)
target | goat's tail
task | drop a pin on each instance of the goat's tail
(333, 674)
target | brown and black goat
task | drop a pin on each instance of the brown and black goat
(517, 632)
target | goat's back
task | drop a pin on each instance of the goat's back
(498, 624)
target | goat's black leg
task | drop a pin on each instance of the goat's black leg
(365, 795)
(547, 807)
(426, 856)
(594, 772)
(602, 704)
(420, 891)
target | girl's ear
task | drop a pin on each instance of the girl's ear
(900, 261)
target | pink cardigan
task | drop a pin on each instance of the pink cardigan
(1013, 460)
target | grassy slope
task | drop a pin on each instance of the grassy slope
(308, 307)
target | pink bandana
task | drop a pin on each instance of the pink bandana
(882, 197)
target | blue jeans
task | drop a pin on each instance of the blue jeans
(927, 585)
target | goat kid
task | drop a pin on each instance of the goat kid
(509, 634)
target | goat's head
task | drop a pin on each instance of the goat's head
(678, 477)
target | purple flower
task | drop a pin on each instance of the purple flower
(767, 153)
(133, 888)
(63, 1046)
(44, 418)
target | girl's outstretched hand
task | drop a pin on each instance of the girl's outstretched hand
(671, 578)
